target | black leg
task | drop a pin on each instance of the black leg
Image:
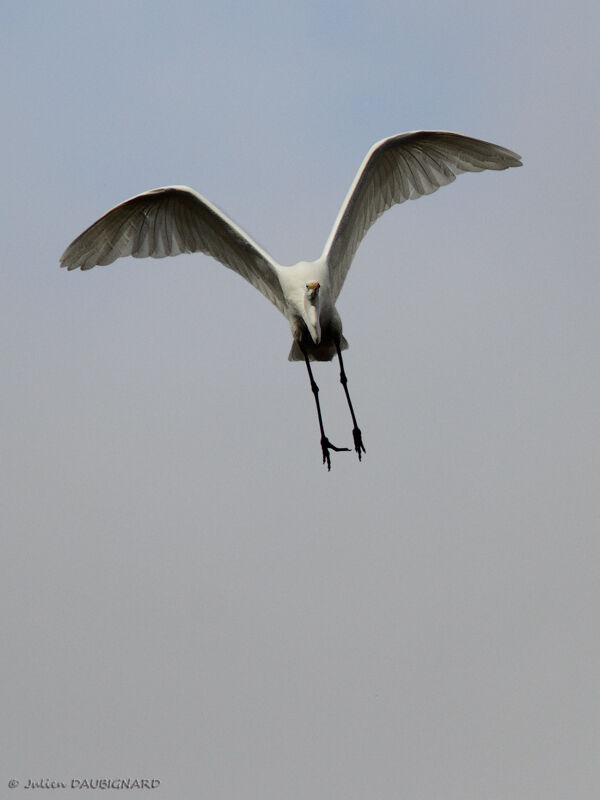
(357, 435)
(326, 445)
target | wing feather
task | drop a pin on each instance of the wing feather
(167, 222)
(400, 168)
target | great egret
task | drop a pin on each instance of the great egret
(176, 219)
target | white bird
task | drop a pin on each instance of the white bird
(176, 219)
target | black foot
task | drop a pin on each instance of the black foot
(358, 442)
(326, 446)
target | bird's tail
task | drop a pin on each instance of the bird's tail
(316, 352)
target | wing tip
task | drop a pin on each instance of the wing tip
(70, 263)
(67, 261)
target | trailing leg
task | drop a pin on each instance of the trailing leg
(326, 445)
(356, 433)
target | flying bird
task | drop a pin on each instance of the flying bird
(176, 219)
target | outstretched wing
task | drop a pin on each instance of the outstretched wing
(167, 222)
(400, 168)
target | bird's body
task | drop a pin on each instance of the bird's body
(176, 219)
(315, 326)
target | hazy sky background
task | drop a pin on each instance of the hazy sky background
(188, 595)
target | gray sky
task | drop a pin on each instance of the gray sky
(189, 595)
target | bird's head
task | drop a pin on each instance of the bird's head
(312, 291)
(311, 310)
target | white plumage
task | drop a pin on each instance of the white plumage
(176, 219)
